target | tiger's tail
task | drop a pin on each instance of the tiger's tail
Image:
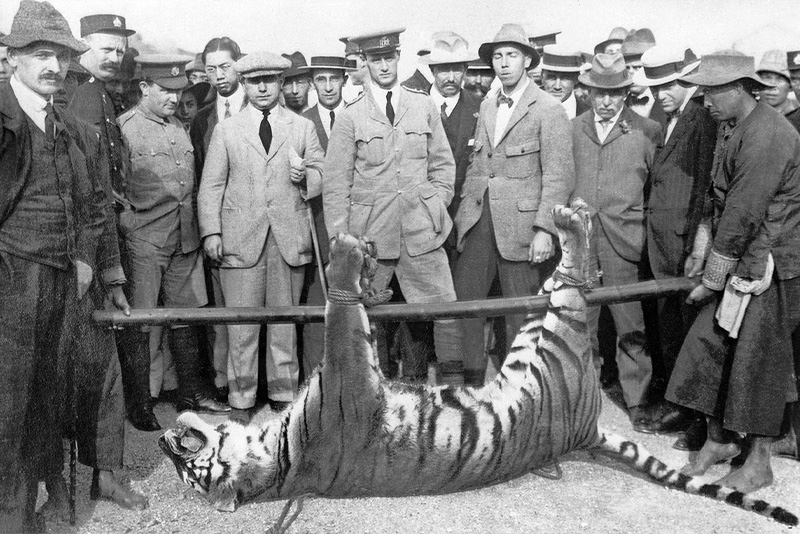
(641, 460)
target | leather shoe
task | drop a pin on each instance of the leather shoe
(640, 420)
(201, 403)
(110, 489)
(694, 437)
(673, 420)
(142, 418)
(278, 406)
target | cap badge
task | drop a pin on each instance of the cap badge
(117, 23)
(796, 59)
(384, 42)
(175, 71)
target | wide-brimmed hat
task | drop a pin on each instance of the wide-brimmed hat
(479, 65)
(509, 34)
(724, 67)
(774, 61)
(560, 58)
(449, 47)
(200, 91)
(616, 36)
(40, 21)
(608, 72)
(168, 71)
(539, 40)
(664, 64)
(298, 66)
(261, 64)
(637, 43)
(104, 24)
(196, 65)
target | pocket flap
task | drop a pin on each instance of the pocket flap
(362, 197)
(524, 148)
(527, 205)
(427, 190)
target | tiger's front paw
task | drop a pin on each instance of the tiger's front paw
(351, 261)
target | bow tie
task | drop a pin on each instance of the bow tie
(674, 115)
(636, 101)
(503, 99)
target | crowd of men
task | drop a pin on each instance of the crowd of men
(137, 181)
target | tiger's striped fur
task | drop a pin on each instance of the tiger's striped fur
(352, 433)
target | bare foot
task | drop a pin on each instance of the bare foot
(756, 473)
(711, 453)
(105, 486)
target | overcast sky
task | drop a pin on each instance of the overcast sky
(314, 26)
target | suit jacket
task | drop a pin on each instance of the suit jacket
(418, 81)
(246, 192)
(201, 130)
(89, 205)
(611, 176)
(460, 130)
(392, 183)
(679, 182)
(529, 171)
(317, 209)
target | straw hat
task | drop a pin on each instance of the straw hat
(449, 47)
(664, 64)
(559, 58)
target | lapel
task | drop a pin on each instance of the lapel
(9, 106)
(402, 104)
(683, 125)
(490, 119)
(527, 99)
(589, 128)
(616, 131)
(313, 115)
(376, 113)
(281, 130)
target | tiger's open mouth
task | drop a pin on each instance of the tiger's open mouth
(180, 445)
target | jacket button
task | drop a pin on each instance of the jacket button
(478, 202)
(491, 176)
(489, 155)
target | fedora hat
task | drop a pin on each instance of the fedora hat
(559, 58)
(449, 47)
(774, 61)
(40, 21)
(608, 72)
(724, 67)
(663, 64)
(299, 64)
(637, 43)
(616, 36)
(509, 34)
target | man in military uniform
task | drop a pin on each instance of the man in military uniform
(389, 175)
(160, 226)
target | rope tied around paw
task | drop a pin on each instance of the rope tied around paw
(367, 298)
(589, 283)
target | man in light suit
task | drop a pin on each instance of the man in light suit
(389, 175)
(328, 74)
(522, 166)
(614, 150)
(262, 166)
(679, 181)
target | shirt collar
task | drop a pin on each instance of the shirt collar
(379, 93)
(571, 105)
(689, 95)
(516, 93)
(236, 99)
(325, 111)
(613, 119)
(439, 98)
(30, 101)
(146, 113)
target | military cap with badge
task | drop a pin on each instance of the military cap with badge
(168, 71)
(104, 24)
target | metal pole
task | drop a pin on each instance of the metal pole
(404, 312)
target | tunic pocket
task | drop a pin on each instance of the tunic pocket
(416, 140)
(370, 146)
(434, 205)
(521, 159)
(360, 209)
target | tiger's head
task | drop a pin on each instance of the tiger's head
(228, 464)
(352, 263)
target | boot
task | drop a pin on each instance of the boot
(134, 358)
(195, 394)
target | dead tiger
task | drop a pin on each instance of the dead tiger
(351, 433)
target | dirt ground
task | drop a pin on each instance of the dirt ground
(596, 494)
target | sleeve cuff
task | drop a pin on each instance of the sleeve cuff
(717, 269)
(114, 276)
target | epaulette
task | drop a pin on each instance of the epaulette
(414, 89)
(356, 99)
(125, 117)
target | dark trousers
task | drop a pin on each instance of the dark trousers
(33, 298)
(476, 268)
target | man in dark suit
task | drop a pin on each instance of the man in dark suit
(614, 150)
(329, 75)
(678, 184)
(560, 69)
(640, 98)
(521, 167)
(422, 79)
(296, 83)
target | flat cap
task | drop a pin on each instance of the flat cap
(261, 64)
(104, 23)
(378, 41)
(168, 71)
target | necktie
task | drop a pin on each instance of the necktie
(333, 118)
(503, 99)
(444, 111)
(265, 131)
(389, 107)
(604, 128)
(227, 109)
(49, 121)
